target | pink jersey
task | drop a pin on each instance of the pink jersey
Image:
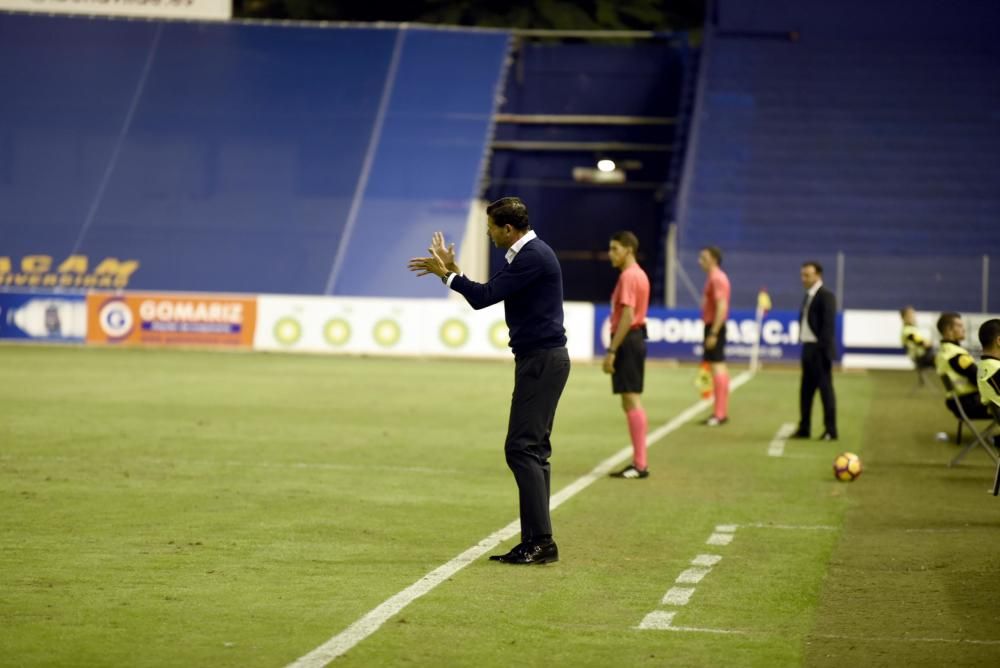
(716, 292)
(632, 290)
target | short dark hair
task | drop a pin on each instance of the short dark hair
(988, 332)
(815, 265)
(509, 211)
(948, 317)
(715, 252)
(626, 239)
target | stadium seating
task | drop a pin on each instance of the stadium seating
(872, 132)
(242, 157)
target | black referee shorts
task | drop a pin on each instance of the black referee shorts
(630, 363)
(718, 353)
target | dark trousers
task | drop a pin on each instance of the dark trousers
(817, 374)
(539, 379)
(972, 406)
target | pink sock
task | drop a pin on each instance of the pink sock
(720, 382)
(637, 430)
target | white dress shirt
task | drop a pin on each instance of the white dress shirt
(806, 335)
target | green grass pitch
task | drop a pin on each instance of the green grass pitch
(182, 508)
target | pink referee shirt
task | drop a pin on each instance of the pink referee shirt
(716, 290)
(632, 290)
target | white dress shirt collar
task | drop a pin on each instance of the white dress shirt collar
(518, 245)
(814, 289)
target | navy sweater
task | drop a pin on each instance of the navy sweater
(531, 289)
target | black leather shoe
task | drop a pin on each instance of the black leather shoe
(530, 553)
(827, 436)
(510, 555)
(800, 434)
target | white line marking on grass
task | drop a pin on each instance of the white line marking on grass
(369, 623)
(677, 596)
(662, 620)
(692, 575)
(698, 629)
(777, 446)
(793, 527)
(657, 619)
(375, 618)
(706, 560)
(956, 641)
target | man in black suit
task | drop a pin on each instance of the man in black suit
(530, 287)
(817, 333)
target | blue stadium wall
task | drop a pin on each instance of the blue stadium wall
(867, 128)
(240, 157)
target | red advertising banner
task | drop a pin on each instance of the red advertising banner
(170, 319)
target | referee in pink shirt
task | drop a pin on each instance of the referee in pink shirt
(714, 313)
(626, 356)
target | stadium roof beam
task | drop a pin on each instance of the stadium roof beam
(580, 146)
(566, 183)
(594, 34)
(583, 119)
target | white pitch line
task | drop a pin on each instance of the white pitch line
(341, 643)
(657, 619)
(677, 596)
(955, 641)
(706, 560)
(663, 620)
(792, 527)
(726, 528)
(697, 629)
(692, 575)
(720, 539)
(777, 446)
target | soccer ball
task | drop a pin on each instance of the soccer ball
(846, 467)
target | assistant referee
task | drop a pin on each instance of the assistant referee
(530, 286)
(625, 359)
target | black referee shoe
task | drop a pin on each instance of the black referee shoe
(630, 472)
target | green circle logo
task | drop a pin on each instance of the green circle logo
(287, 331)
(387, 333)
(337, 331)
(499, 334)
(454, 333)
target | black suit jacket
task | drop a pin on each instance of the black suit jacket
(822, 318)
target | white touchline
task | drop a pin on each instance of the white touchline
(720, 539)
(777, 447)
(375, 618)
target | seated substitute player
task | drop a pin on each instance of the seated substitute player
(955, 362)
(989, 366)
(918, 347)
(626, 356)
